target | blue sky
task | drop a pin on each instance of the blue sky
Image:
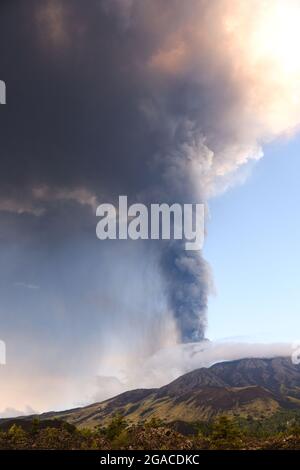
(253, 248)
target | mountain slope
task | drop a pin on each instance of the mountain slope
(272, 374)
(256, 387)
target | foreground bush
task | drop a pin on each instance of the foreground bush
(222, 433)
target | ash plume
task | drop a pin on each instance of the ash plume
(213, 95)
(187, 279)
(163, 101)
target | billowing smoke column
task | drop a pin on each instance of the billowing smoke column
(223, 79)
(187, 276)
(161, 100)
(164, 101)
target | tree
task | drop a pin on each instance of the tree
(116, 426)
(17, 436)
(225, 433)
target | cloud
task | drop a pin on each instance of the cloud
(169, 363)
(26, 285)
(118, 373)
(12, 412)
(51, 19)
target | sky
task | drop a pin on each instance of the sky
(257, 292)
(163, 102)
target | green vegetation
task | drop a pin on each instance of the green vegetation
(225, 433)
(281, 431)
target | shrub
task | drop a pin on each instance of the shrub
(115, 428)
(225, 433)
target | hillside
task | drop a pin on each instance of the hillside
(246, 387)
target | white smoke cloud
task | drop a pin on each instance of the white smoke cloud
(13, 412)
(169, 363)
(240, 61)
(119, 372)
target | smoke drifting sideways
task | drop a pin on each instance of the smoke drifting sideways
(162, 101)
(172, 362)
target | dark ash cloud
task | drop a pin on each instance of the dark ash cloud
(161, 101)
